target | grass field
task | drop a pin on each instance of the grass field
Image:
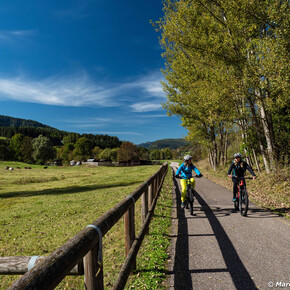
(40, 209)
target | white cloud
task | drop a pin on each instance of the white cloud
(81, 90)
(12, 35)
(117, 133)
(154, 116)
(89, 122)
(73, 91)
(145, 107)
(150, 84)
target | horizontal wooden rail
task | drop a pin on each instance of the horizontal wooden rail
(19, 265)
(60, 263)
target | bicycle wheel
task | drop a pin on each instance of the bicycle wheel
(236, 204)
(244, 203)
(187, 198)
(191, 199)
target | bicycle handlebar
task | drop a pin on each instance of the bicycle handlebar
(198, 176)
(240, 178)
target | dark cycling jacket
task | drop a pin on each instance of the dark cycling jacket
(240, 168)
(186, 172)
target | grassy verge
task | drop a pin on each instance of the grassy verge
(270, 191)
(153, 255)
(41, 209)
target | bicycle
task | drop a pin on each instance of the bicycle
(242, 199)
(189, 196)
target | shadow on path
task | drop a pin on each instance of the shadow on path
(182, 275)
(240, 276)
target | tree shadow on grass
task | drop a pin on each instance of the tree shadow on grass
(65, 190)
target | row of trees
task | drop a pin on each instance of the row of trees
(41, 150)
(226, 70)
(22, 148)
(58, 137)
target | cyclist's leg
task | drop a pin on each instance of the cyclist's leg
(183, 189)
(192, 181)
(235, 187)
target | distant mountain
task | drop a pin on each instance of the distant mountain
(164, 143)
(6, 121)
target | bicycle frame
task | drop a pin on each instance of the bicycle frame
(241, 186)
(189, 195)
(242, 200)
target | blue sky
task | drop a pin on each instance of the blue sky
(86, 66)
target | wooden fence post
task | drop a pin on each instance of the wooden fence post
(150, 194)
(144, 205)
(91, 268)
(129, 219)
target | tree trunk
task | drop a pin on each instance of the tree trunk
(256, 161)
(214, 157)
(221, 151)
(215, 151)
(267, 125)
(226, 150)
(259, 133)
(210, 160)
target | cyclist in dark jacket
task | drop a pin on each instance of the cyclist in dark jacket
(238, 168)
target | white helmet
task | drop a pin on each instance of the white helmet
(237, 155)
(187, 157)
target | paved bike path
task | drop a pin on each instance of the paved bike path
(217, 248)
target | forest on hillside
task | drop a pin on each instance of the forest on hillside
(227, 76)
(7, 121)
(43, 144)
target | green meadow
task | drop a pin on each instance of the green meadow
(41, 209)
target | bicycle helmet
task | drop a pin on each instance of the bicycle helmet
(238, 155)
(187, 157)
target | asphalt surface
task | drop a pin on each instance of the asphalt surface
(217, 248)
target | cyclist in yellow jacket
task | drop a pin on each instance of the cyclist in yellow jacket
(185, 171)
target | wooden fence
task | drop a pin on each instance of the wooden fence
(82, 255)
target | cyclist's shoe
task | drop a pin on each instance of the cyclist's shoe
(182, 204)
(234, 199)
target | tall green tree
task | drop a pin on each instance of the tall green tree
(43, 150)
(66, 152)
(219, 65)
(15, 145)
(156, 154)
(166, 153)
(83, 149)
(5, 153)
(128, 152)
(26, 150)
